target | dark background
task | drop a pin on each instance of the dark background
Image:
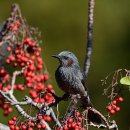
(63, 24)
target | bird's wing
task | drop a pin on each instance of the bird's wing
(83, 80)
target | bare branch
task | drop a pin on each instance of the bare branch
(52, 114)
(6, 97)
(14, 79)
(71, 108)
(112, 124)
(4, 127)
(89, 41)
(42, 107)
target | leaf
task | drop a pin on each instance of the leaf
(125, 80)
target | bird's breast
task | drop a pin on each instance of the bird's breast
(66, 80)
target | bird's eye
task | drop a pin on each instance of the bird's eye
(66, 58)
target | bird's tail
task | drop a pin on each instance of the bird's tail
(92, 116)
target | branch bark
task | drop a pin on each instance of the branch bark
(89, 36)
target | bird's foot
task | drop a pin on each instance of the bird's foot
(57, 98)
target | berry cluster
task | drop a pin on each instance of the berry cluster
(24, 55)
(113, 108)
(4, 86)
(73, 123)
(28, 125)
(4, 77)
(33, 75)
(6, 107)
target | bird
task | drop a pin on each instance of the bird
(70, 78)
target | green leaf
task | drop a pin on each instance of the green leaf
(125, 80)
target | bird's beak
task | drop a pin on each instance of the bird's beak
(56, 56)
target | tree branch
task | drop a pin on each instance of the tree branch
(89, 36)
(108, 125)
(71, 108)
(4, 127)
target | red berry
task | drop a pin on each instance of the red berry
(65, 128)
(117, 109)
(109, 108)
(16, 51)
(6, 113)
(73, 124)
(14, 118)
(114, 102)
(41, 100)
(37, 53)
(11, 122)
(112, 112)
(24, 127)
(39, 117)
(16, 128)
(7, 61)
(69, 125)
(11, 58)
(27, 40)
(47, 118)
(43, 126)
(30, 123)
(40, 66)
(10, 110)
(6, 77)
(39, 60)
(11, 127)
(70, 120)
(49, 87)
(39, 126)
(120, 99)
(79, 123)
(4, 106)
(2, 72)
(46, 77)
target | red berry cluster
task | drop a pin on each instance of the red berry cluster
(6, 107)
(113, 108)
(73, 123)
(4, 77)
(33, 74)
(24, 54)
(4, 86)
(29, 125)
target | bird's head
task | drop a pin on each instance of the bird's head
(67, 59)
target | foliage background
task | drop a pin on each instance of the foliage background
(64, 27)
